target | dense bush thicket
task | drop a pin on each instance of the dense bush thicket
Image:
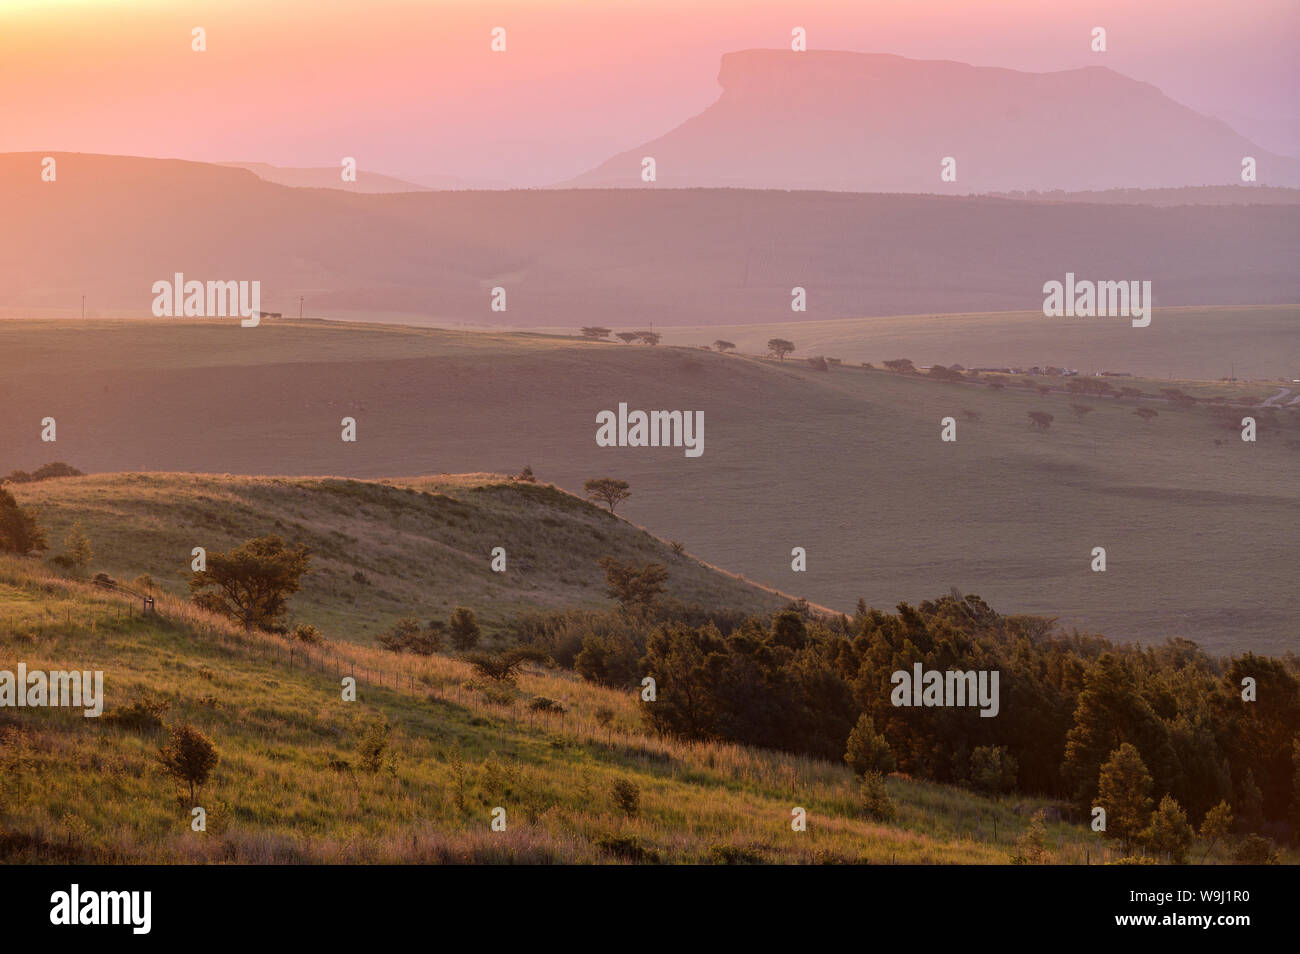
(1067, 701)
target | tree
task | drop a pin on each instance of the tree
(605, 719)
(627, 337)
(993, 768)
(407, 637)
(649, 337)
(464, 628)
(78, 546)
(875, 800)
(376, 751)
(18, 530)
(1041, 420)
(780, 347)
(607, 490)
(1110, 711)
(1123, 789)
(252, 582)
(900, 365)
(818, 363)
(724, 345)
(867, 750)
(627, 796)
(1216, 826)
(189, 757)
(307, 633)
(503, 665)
(595, 331)
(634, 587)
(945, 374)
(1168, 833)
(1031, 846)
(607, 660)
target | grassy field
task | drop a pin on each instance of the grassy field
(74, 789)
(1260, 342)
(1198, 525)
(416, 547)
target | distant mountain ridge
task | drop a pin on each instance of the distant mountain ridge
(327, 178)
(112, 226)
(872, 122)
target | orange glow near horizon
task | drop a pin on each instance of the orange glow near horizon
(413, 88)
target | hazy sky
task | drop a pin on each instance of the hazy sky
(412, 88)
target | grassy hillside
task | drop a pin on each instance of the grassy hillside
(74, 789)
(1198, 525)
(380, 550)
(1259, 342)
(583, 256)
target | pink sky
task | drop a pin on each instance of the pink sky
(412, 88)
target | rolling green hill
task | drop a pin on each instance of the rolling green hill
(290, 784)
(416, 547)
(1258, 342)
(1198, 525)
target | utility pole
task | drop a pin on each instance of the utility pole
(299, 307)
(83, 307)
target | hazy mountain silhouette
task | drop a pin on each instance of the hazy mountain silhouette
(111, 226)
(328, 177)
(870, 122)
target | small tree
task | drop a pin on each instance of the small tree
(1031, 846)
(867, 750)
(627, 337)
(1123, 789)
(1040, 420)
(252, 582)
(627, 796)
(605, 719)
(875, 800)
(1146, 413)
(780, 347)
(402, 637)
(607, 490)
(1080, 409)
(634, 587)
(307, 633)
(818, 363)
(900, 365)
(724, 346)
(464, 628)
(376, 752)
(503, 665)
(18, 530)
(649, 337)
(1168, 832)
(78, 546)
(189, 757)
(1216, 826)
(595, 332)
